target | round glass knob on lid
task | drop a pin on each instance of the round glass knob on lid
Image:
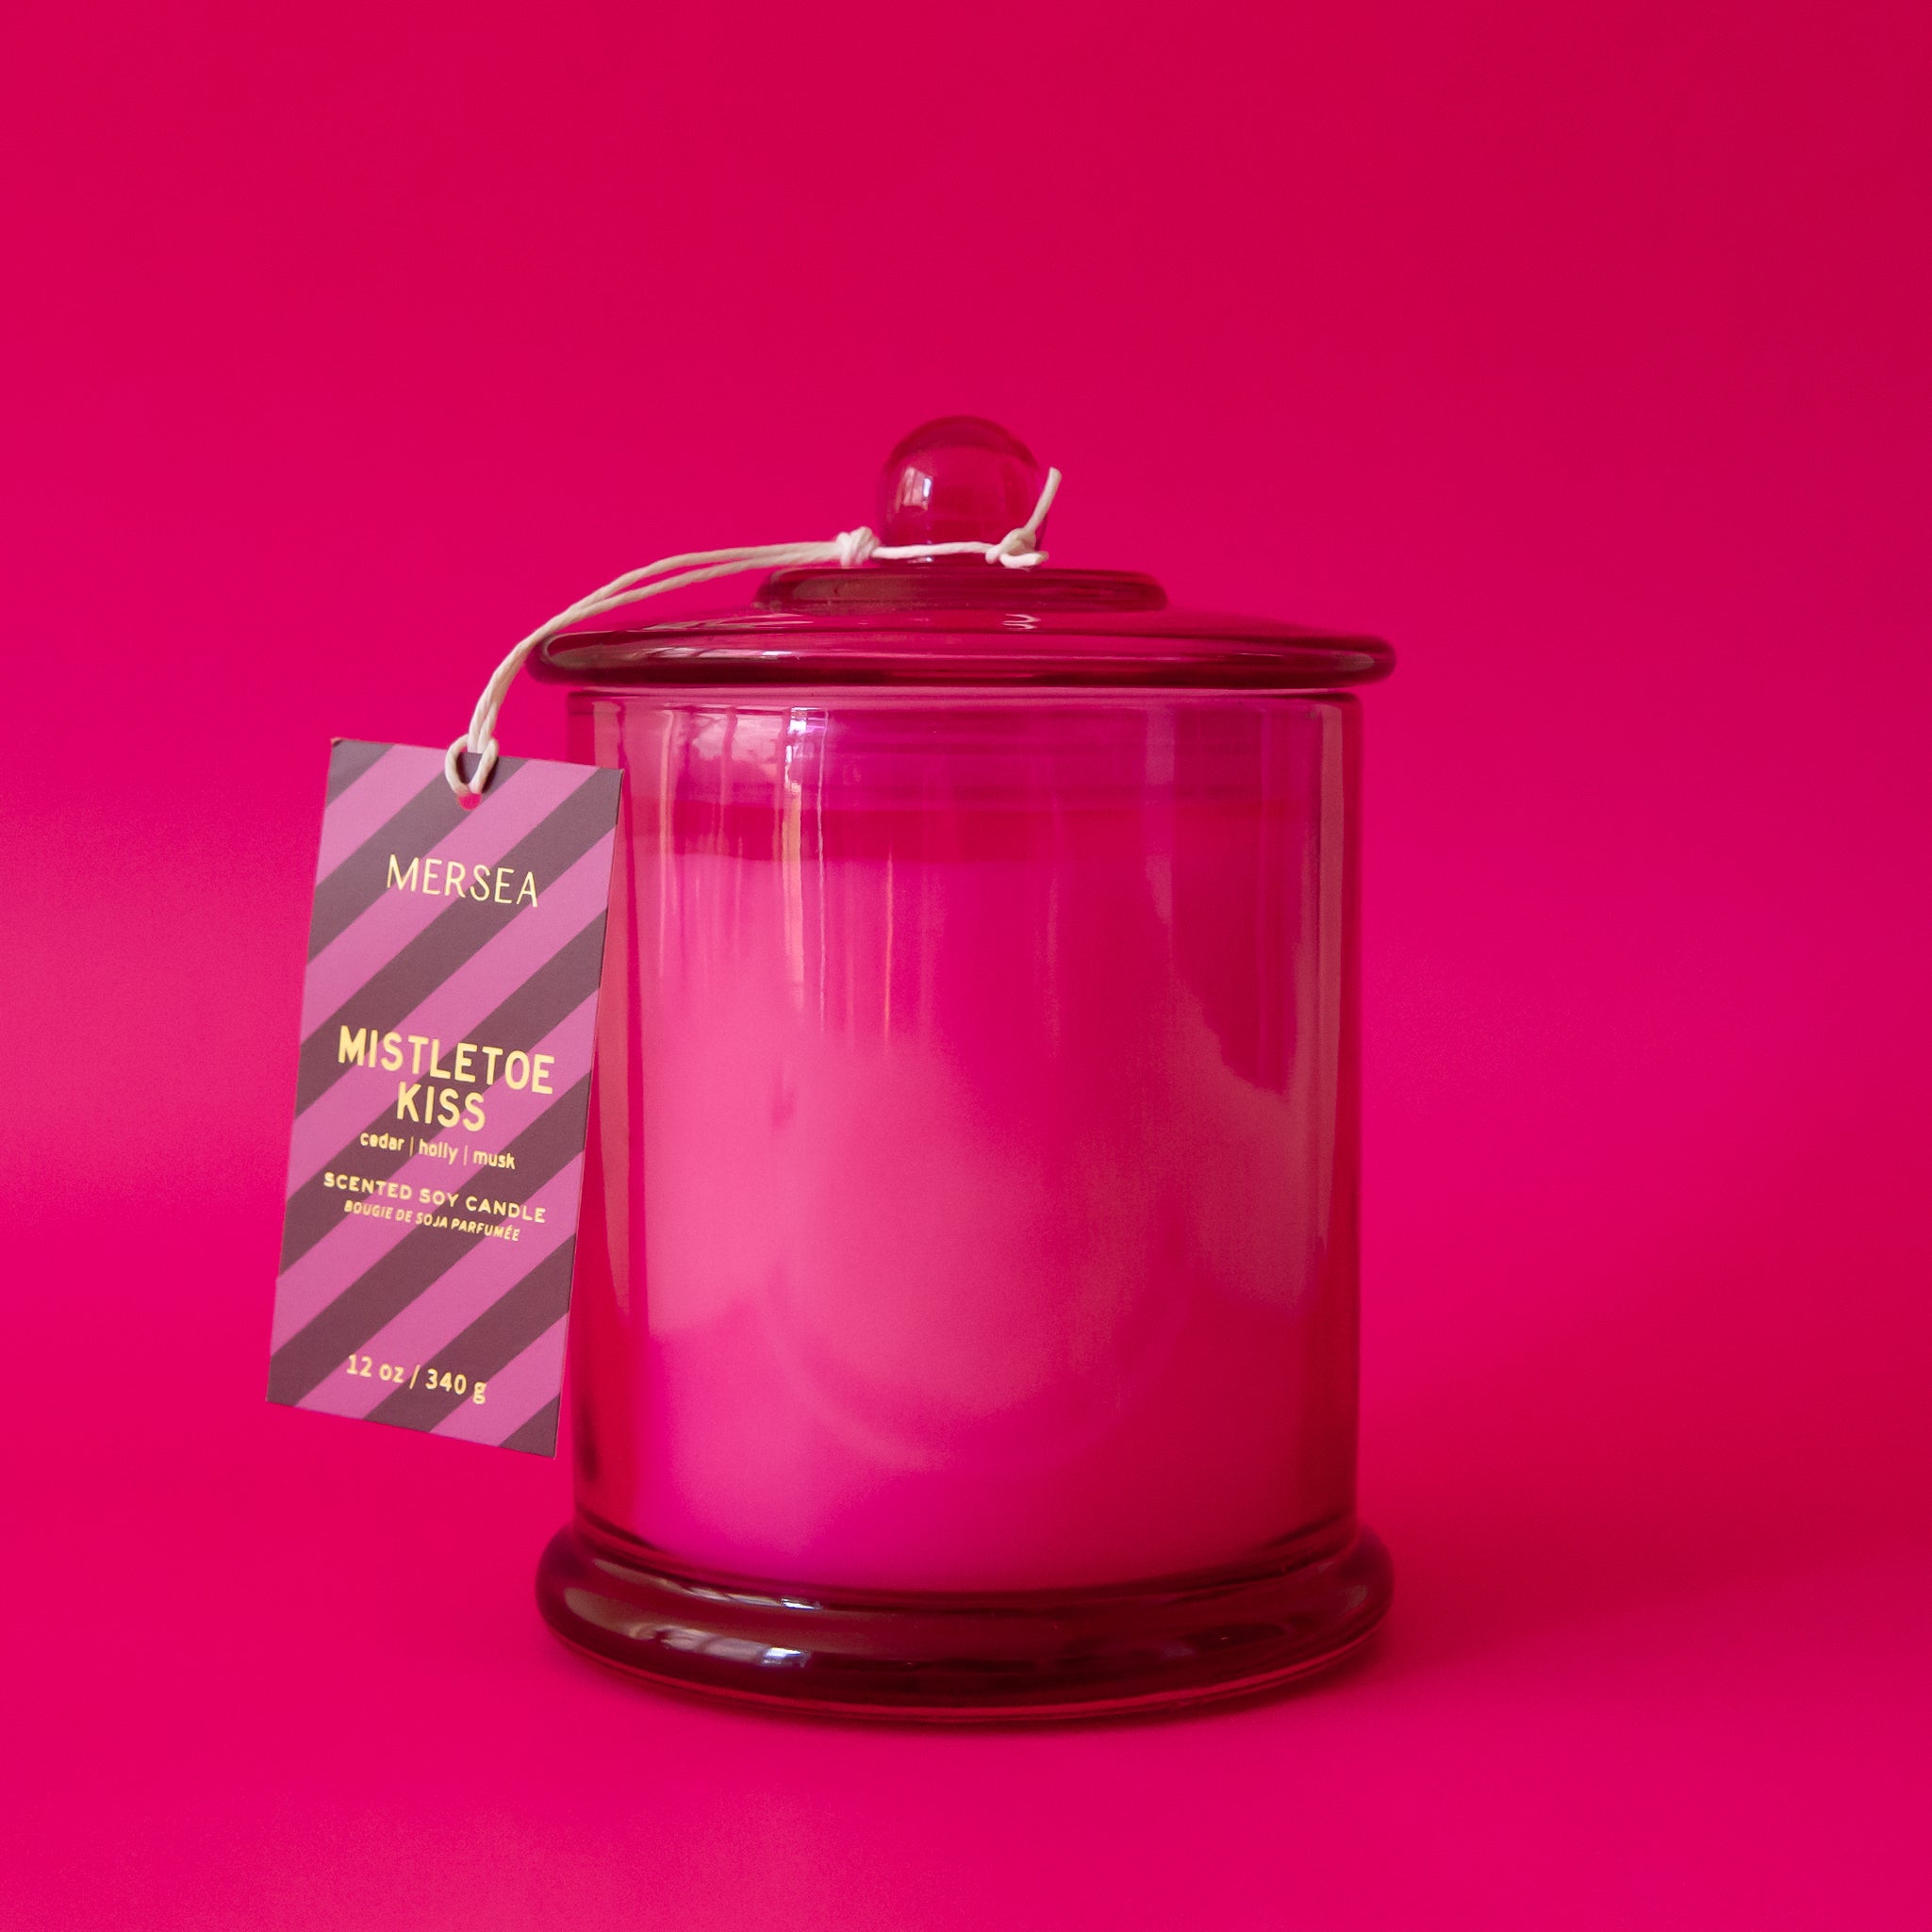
(959, 479)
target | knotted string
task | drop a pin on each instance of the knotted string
(1018, 549)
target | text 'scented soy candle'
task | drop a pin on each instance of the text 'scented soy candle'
(966, 1310)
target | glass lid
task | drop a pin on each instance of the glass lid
(961, 620)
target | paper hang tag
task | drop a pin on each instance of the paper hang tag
(448, 1017)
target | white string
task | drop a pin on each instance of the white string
(1018, 549)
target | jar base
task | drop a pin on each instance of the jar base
(1006, 1658)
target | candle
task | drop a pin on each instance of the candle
(974, 1161)
(964, 1312)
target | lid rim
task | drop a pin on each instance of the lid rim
(1304, 664)
(914, 629)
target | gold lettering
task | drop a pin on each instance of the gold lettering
(405, 880)
(539, 1072)
(353, 1048)
(528, 886)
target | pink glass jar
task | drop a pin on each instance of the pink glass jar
(965, 1321)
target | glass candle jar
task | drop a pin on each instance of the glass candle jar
(964, 1320)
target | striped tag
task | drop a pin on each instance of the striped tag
(448, 1018)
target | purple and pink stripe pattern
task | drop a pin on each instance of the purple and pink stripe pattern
(425, 1272)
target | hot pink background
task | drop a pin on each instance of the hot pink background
(1581, 350)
